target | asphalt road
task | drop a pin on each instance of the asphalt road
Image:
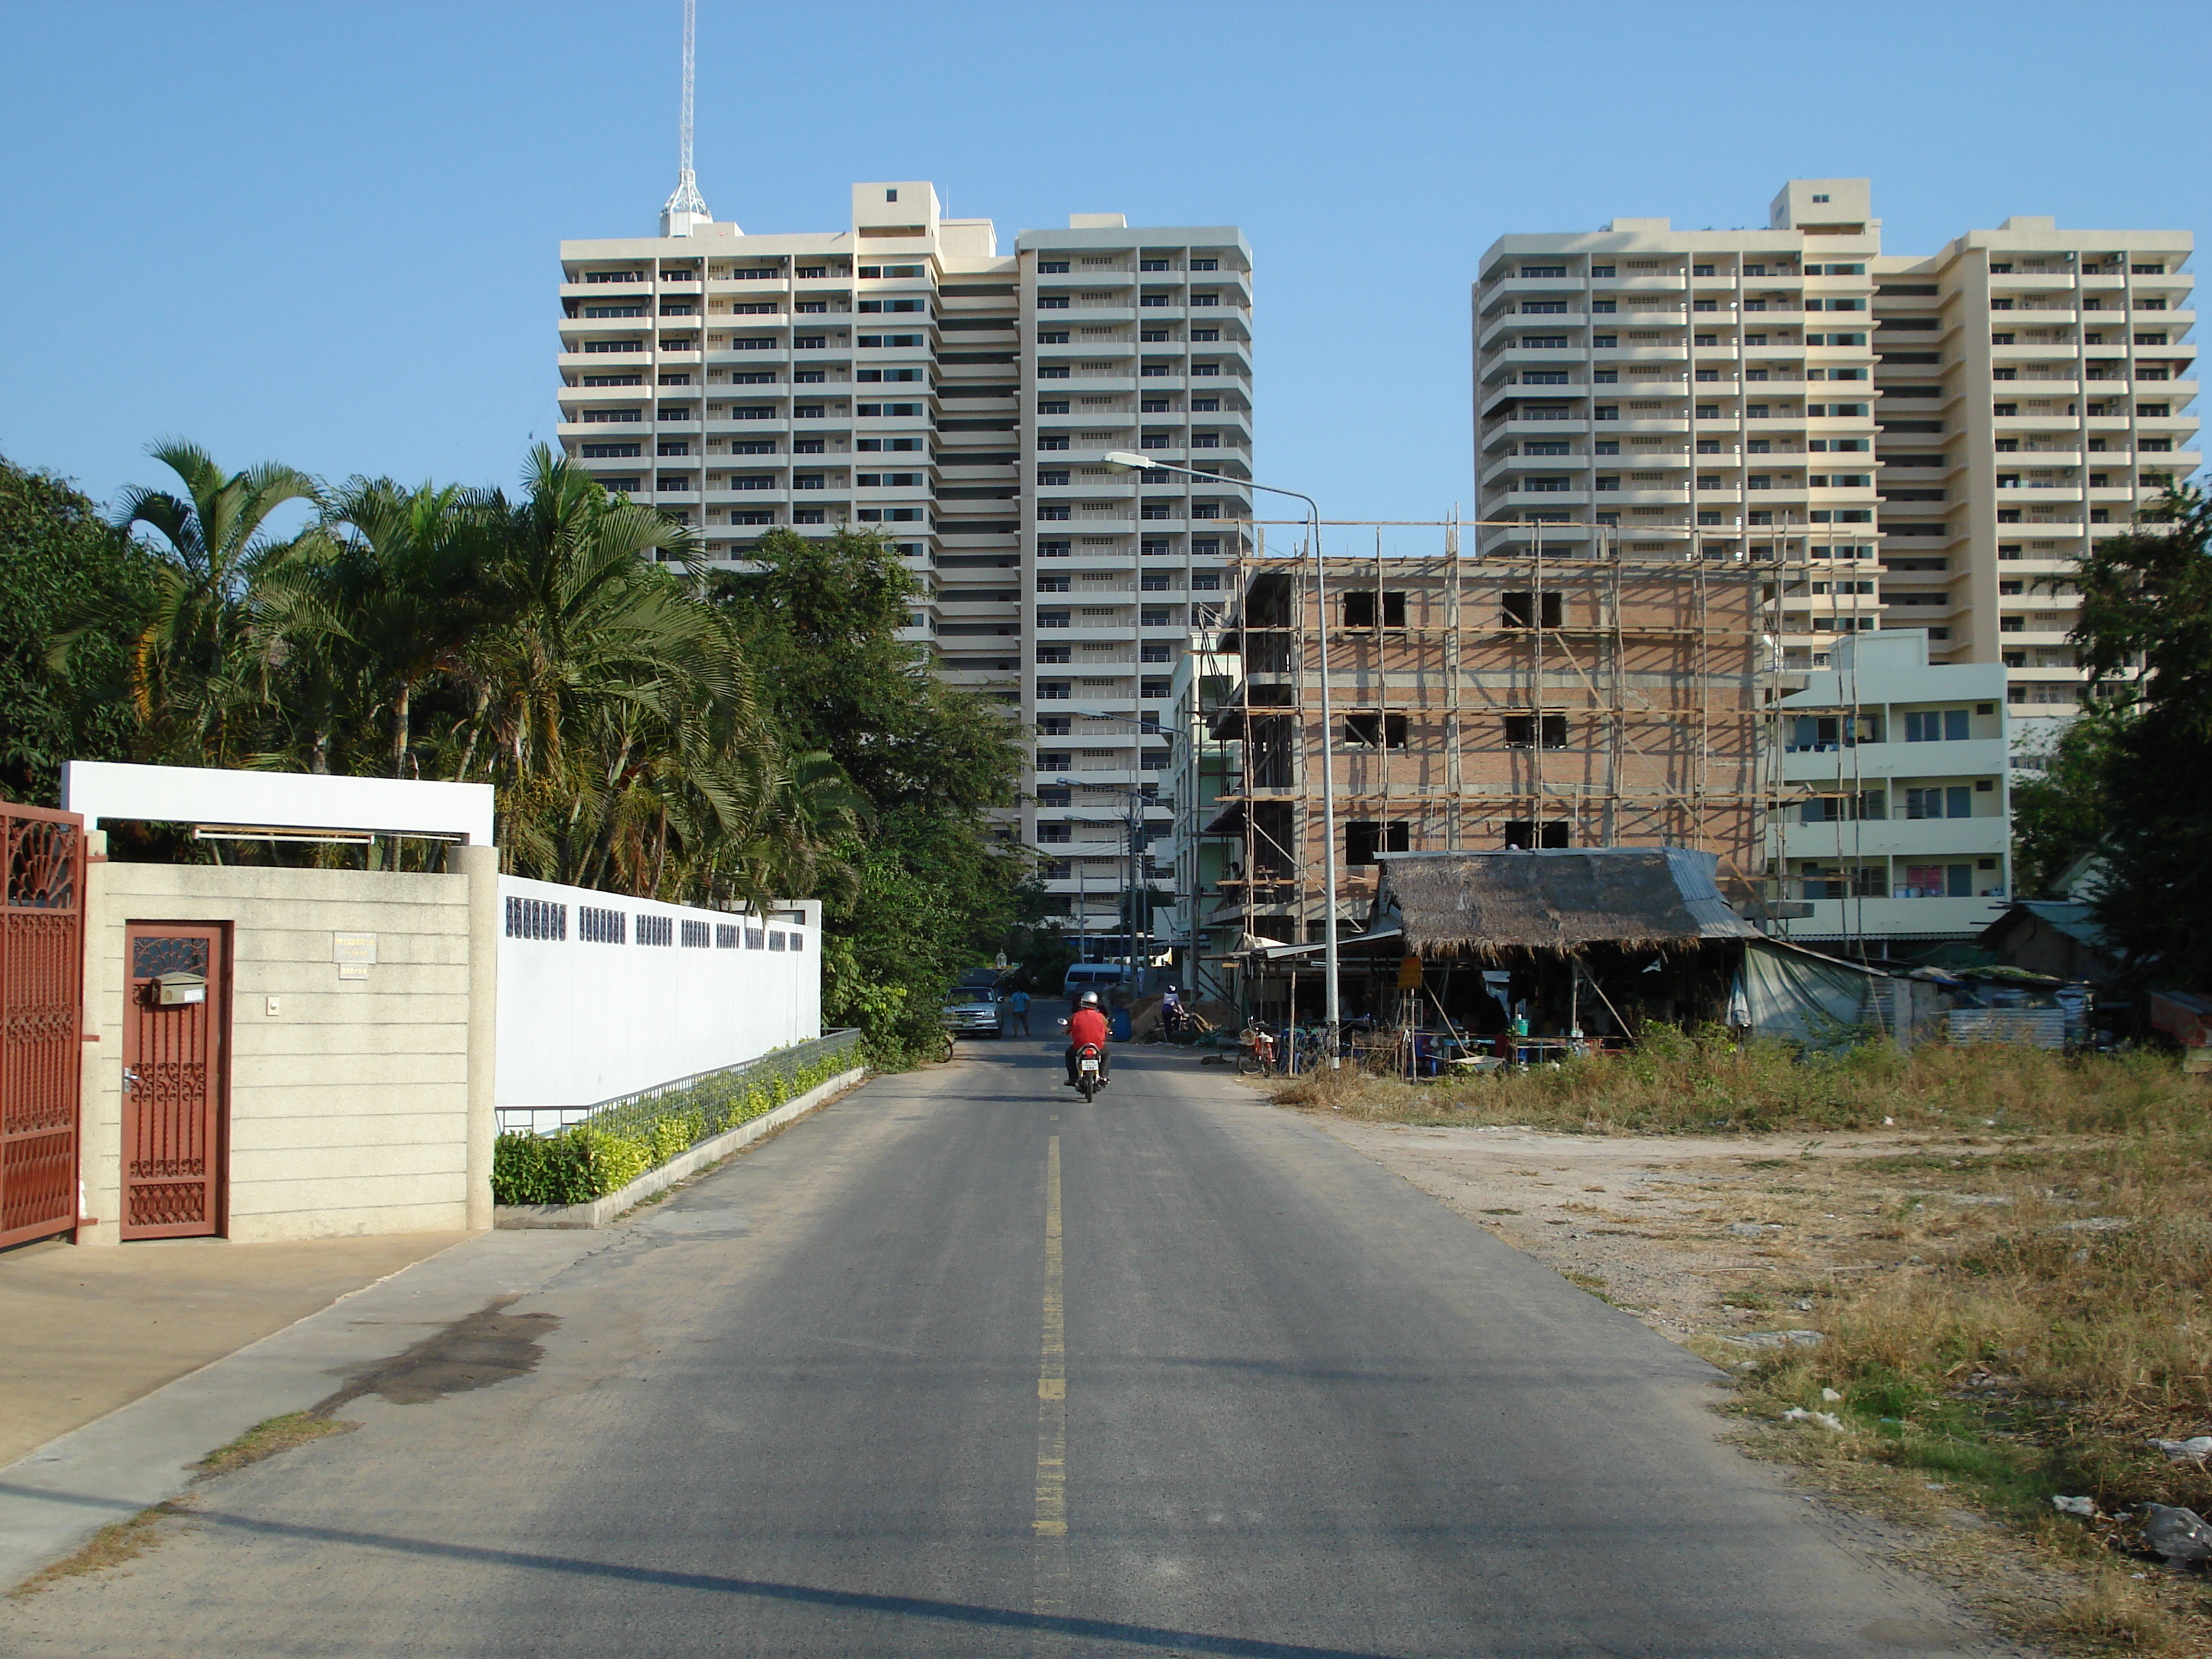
(963, 1366)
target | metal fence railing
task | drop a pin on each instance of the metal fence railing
(706, 1091)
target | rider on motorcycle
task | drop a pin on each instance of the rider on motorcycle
(1087, 1025)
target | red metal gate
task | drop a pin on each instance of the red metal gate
(41, 1008)
(176, 1031)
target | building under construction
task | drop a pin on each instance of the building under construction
(1597, 696)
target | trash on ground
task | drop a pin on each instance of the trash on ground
(1775, 1339)
(2194, 1450)
(2084, 1507)
(1830, 1395)
(2177, 1535)
(1826, 1419)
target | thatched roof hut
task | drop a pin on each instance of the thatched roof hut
(1553, 899)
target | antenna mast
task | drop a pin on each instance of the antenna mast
(686, 208)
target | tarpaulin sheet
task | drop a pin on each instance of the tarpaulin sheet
(1802, 997)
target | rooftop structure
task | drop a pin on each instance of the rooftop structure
(901, 373)
(1931, 440)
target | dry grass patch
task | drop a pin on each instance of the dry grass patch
(1703, 1082)
(266, 1439)
(111, 1546)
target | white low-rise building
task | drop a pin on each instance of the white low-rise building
(1892, 826)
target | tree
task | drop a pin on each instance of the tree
(380, 603)
(59, 562)
(930, 890)
(194, 669)
(2061, 812)
(2146, 629)
(609, 703)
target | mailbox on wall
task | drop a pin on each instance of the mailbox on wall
(175, 990)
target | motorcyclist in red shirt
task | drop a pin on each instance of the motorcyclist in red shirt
(1087, 1025)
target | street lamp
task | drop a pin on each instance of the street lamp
(1129, 460)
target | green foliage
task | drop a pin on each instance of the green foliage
(2065, 813)
(59, 562)
(2146, 622)
(714, 740)
(613, 1147)
(1039, 954)
(925, 893)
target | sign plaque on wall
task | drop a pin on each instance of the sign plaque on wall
(355, 954)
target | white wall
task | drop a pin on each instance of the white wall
(581, 1022)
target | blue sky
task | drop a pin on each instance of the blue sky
(326, 233)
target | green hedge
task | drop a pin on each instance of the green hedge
(617, 1144)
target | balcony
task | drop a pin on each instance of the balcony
(1899, 918)
(1901, 838)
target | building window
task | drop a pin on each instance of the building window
(1523, 731)
(1360, 608)
(1523, 834)
(1377, 730)
(1937, 726)
(1364, 838)
(1522, 610)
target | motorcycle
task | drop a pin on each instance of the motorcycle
(1089, 1076)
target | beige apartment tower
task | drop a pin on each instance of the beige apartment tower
(1902, 441)
(904, 374)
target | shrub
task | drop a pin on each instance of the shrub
(615, 1146)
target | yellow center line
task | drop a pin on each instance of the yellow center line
(1049, 1592)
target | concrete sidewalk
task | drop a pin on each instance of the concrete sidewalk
(141, 1454)
(89, 1329)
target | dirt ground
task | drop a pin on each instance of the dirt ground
(1729, 1245)
(1722, 1238)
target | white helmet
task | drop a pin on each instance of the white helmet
(1089, 999)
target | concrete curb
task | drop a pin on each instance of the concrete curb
(601, 1211)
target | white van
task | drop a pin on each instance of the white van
(1100, 976)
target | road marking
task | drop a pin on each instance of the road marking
(1048, 1593)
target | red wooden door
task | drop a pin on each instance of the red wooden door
(175, 1058)
(41, 1001)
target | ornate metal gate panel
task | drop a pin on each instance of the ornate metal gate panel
(41, 1008)
(175, 1055)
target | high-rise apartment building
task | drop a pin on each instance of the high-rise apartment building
(1698, 394)
(902, 373)
(2036, 384)
(1911, 441)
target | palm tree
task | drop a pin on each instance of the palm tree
(608, 703)
(192, 660)
(380, 604)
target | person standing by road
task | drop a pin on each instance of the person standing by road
(1017, 1013)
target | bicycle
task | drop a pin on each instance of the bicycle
(1255, 1052)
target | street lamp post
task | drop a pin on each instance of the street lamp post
(1127, 460)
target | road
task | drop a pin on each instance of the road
(963, 1366)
